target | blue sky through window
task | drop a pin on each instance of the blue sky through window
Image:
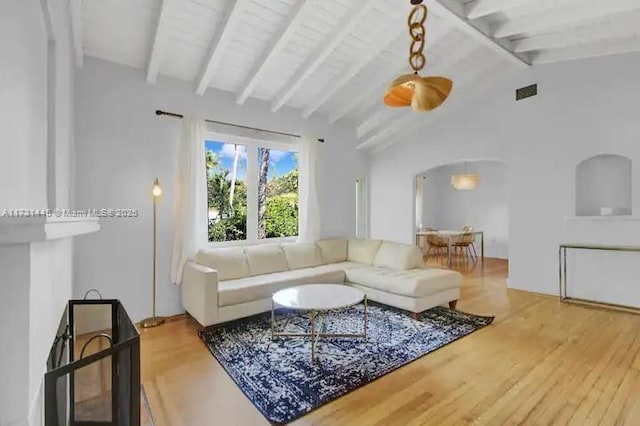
(281, 162)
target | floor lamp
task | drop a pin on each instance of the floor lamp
(154, 320)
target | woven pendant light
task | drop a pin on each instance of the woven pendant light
(465, 181)
(421, 93)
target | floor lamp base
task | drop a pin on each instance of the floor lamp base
(152, 322)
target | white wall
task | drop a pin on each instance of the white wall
(35, 279)
(485, 208)
(580, 112)
(23, 43)
(122, 146)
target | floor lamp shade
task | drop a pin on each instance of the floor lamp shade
(154, 320)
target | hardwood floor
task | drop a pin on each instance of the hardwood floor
(541, 362)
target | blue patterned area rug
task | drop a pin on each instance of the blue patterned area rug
(283, 383)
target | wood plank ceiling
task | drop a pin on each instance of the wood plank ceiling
(335, 57)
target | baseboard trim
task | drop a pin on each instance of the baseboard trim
(172, 318)
(601, 305)
(176, 317)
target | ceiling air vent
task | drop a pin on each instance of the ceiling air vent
(526, 92)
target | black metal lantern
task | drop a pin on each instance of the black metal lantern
(93, 370)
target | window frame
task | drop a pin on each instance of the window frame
(252, 145)
(361, 207)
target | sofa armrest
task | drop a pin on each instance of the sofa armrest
(200, 292)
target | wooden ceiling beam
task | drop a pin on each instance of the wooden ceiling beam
(621, 26)
(75, 9)
(221, 41)
(382, 77)
(386, 36)
(569, 15)
(280, 41)
(602, 48)
(528, 8)
(454, 13)
(159, 42)
(480, 8)
(344, 27)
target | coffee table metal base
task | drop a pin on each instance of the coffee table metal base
(317, 318)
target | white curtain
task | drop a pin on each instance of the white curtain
(190, 221)
(309, 158)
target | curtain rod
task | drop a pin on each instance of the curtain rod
(173, 114)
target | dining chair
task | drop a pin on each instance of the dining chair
(462, 246)
(423, 245)
(473, 242)
(436, 245)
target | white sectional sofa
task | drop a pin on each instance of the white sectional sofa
(228, 283)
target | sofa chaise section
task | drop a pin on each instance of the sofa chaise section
(394, 275)
(414, 290)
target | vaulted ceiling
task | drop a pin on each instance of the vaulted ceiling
(336, 57)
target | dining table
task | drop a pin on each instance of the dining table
(451, 235)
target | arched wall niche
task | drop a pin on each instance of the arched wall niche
(603, 186)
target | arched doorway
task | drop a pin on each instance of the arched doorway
(465, 194)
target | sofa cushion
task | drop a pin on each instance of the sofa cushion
(266, 259)
(260, 287)
(302, 255)
(362, 251)
(410, 283)
(333, 250)
(398, 256)
(230, 263)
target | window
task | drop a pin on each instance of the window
(226, 190)
(252, 190)
(361, 208)
(277, 193)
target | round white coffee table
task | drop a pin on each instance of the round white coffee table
(318, 299)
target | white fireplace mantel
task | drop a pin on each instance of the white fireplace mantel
(25, 230)
(36, 260)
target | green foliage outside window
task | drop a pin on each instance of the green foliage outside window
(281, 214)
